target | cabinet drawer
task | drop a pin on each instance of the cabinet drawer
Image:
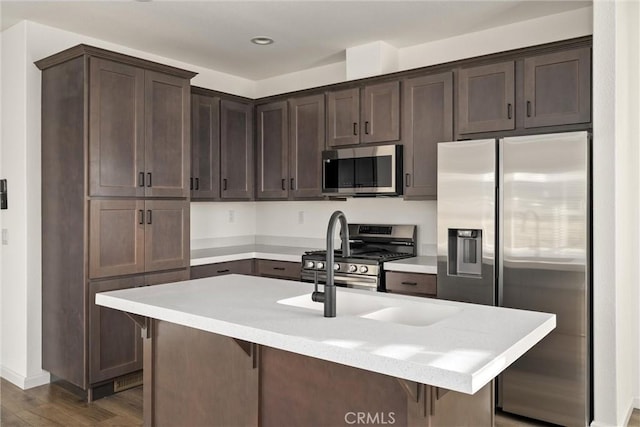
(411, 283)
(279, 269)
(244, 266)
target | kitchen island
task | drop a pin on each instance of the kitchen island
(242, 350)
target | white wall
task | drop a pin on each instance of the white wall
(576, 23)
(14, 169)
(627, 157)
(616, 211)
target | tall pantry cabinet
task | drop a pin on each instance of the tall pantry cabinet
(115, 205)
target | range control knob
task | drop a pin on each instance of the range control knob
(352, 268)
(320, 265)
(363, 269)
(336, 266)
(310, 264)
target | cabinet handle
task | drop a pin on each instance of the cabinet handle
(226, 270)
(148, 179)
(141, 179)
(148, 216)
(191, 183)
(410, 283)
(355, 128)
(509, 111)
(197, 184)
(291, 183)
(284, 184)
(528, 108)
(224, 184)
(407, 179)
(141, 216)
(366, 127)
(279, 268)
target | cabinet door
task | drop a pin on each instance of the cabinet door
(167, 140)
(557, 88)
(486, 98)
(380, 113)
(427, 119)
(166, 234)
(115, 344)
(205, 147)
(272, 151)
(236, 150)
(116, 238)
(411, 283)
(307, 126)
(116, 129)
(343, 121)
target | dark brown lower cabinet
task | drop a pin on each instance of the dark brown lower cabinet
(416, 284)
(278, 269)
(194, 377)
(115, 343)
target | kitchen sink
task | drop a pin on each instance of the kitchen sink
(346, 303)
(422, 315)
(369, 307)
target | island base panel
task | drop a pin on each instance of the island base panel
(194, 377)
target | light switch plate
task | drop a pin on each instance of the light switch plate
(5, 236)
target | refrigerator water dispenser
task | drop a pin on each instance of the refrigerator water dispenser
(465, 252)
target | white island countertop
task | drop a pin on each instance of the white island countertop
(461, 352)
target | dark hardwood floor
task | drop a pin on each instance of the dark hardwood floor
(52, 405)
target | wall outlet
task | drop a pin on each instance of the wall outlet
(5, 236)
(232, 216)
(300, 217)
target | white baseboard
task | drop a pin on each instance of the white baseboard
(636, 403)
(25, 382)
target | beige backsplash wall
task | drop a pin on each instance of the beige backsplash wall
(303, 223)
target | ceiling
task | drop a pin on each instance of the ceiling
(215, 34)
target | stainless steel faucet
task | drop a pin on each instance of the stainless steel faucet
(328, 297)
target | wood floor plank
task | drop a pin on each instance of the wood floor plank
(9, 419)
(33, 419)
(634, 421)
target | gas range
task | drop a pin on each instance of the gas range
(371, 245)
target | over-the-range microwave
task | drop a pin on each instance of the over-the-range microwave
(362, 171)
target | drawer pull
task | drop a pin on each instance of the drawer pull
(410, 283)
(226, 270)
(279, 268)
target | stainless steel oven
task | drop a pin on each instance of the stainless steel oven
(371, 246)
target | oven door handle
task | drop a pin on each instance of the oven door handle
(347, 280)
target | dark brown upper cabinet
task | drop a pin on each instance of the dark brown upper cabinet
(236, 150)
(306, 142)
(289, 149)
(205, 147)
(486, 98)
(380, 113)
(138, 131)
(557, 88)
(367, 115)
(272, 151)
(137, 236)
(427, 120)
(167, 135)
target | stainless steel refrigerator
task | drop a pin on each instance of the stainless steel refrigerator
(514, 231)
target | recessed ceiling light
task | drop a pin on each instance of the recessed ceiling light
(262, 40)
